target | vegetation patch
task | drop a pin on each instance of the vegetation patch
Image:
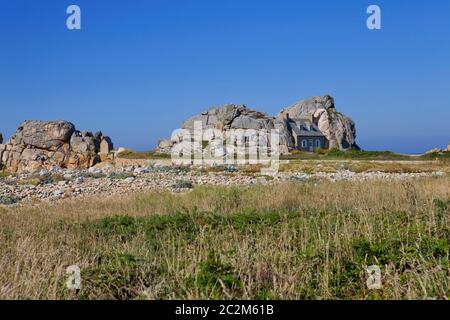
(130, 154)
(5, 174)
(445, 155)
(8, 200)
(335, 154)
(286, 241)
(93, 175)
(215, 278)
(121, 175)
(183, 184)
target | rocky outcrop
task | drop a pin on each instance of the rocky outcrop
(438, 150)
(165, 145)
(231, 116)
(106, 146)
(434, 150)
(225, 118)
(338, 129)
(44, 144)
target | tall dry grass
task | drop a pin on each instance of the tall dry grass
(288, 241)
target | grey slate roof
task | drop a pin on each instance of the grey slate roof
(305, 128)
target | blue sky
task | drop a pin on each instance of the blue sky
(139, 68)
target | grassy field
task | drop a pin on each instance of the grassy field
(360, 166)
(320, 154)
(288, 241)
(331, 161)
(130, 154)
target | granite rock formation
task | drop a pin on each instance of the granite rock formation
(44, 144)
(338, 129)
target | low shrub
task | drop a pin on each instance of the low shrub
(8, 200)
(4, 174)
(120, 176)
(183, 184)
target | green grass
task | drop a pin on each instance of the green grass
(129, 154)
(364, 155)
(120, 175)
(216, 274)
(183, 184)
(8, 200)
(320, 154)
(436, 156)
(5, 174)
(287, 241)
(335, 154)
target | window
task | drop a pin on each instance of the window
(318, 143)
(304, 144)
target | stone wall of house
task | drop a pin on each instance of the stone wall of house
(323, 143)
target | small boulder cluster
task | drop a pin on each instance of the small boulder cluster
(38, 145)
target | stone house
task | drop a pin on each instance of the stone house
(306, 134)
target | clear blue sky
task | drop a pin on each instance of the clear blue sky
(138, 68)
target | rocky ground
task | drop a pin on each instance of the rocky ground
(55, 184)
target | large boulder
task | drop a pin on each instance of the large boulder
(2, 150)
(50, 135)
(230, 116)
(44, 144)
(225, 119)
(165, 146)
(106, 145)
(287, 142)
(80, 143)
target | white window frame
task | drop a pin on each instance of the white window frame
(318, 144)
(304, 143)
